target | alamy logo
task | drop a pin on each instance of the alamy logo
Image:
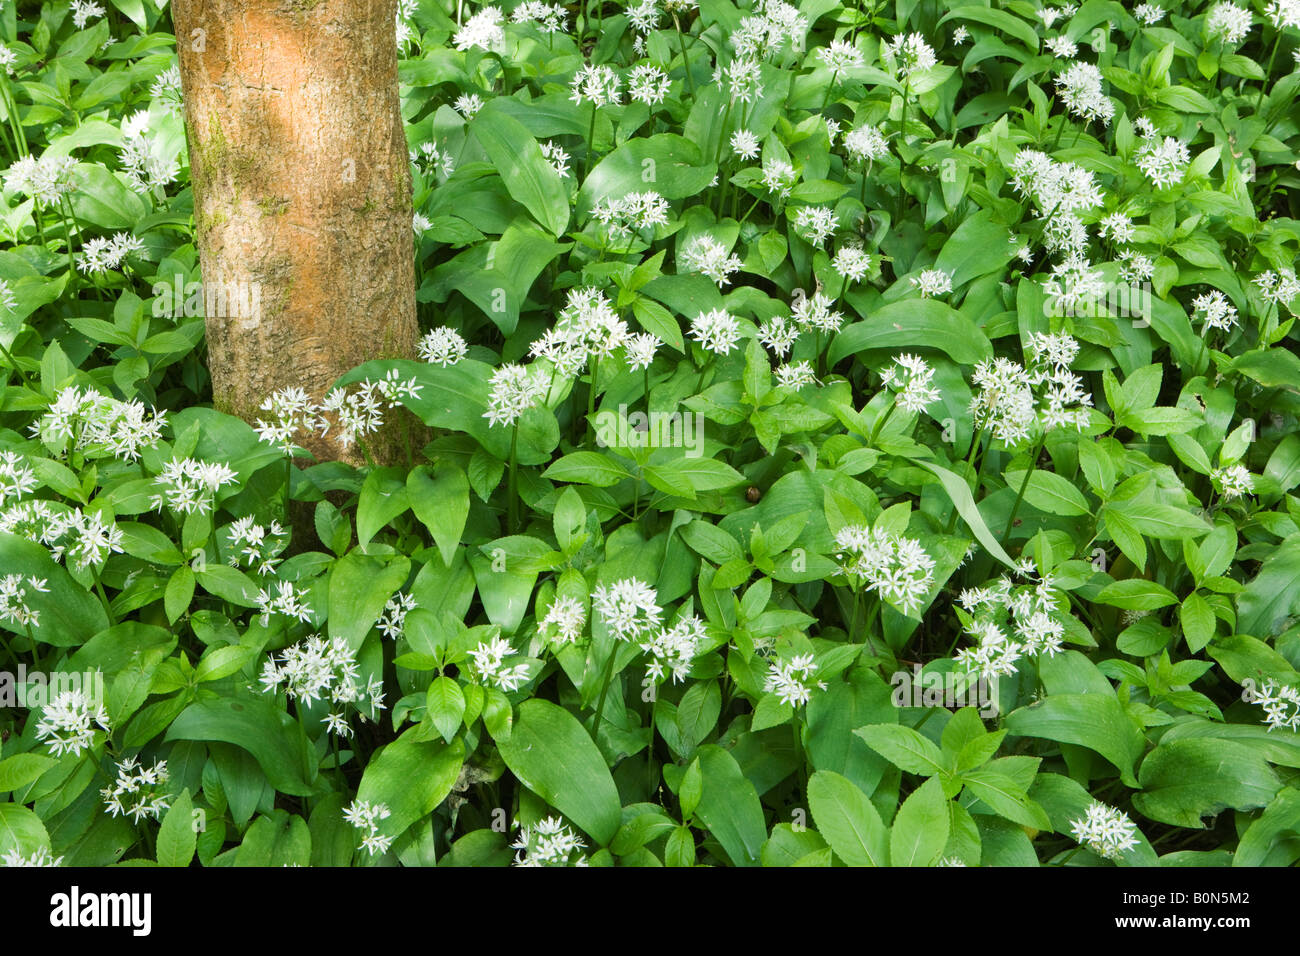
(654, 430)
(75, 909)
(31, 689)
(238, 299)
(1122, 300)
(952, 690)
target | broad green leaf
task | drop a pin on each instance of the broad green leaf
(553, 756)
(847, 820)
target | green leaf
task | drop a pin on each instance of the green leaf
(1280, 818)
(1049, 492)
(729, 807)
(359, 587)
(19, 770)
(1274, 593)
(441, 501)
(587, 468)
(959, 493)
(383, 498)
(979, 246)
(1095, 721)
(1186, 779)
(411, 777)
(528, 177)
(68, 613)
(177, 838)
(21, 830)
(553, 756)
(257, 725)
(1137, 594)
(914, 323)
(993, 17)
(446, 706)
(921, 826)
(848, 820)
(905, 748)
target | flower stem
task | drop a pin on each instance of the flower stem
(1024, 485)
(512, 489)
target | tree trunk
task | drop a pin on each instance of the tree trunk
(302, 192)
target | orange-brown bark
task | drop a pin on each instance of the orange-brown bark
(302, 189)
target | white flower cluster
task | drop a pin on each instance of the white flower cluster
(648, 84)
(716, 330)
(46, 179)
(840, 55)
(392, 619)
(142, 157)
(640, 349)
(706, 255)
(490, 664)
(324, 669)
(910, 54)
(442, 346)
(764, 35)
(13, 599)
(1279, 288)
(629, 607)
(189, 486)
(596, 84)
(897, 568)
(16, 479)
(745, 144)
(1029, 610)
(254, 544)
(1079, 86)
(779, 177)
(41, 856)
(429, 159)
(866, 143)
(792, 680)
(1105, 830)
(80, 538)
(358, 413)
(365, 815)
(1233, 481)
(98, 425)
(549, 843)
(1163, 161)
(1281, 704)
(1227, 23)
(911, 377)
(554, 154)
(101, 254)
(815, 223)
(83, 11)
(852, 263)
(136, 792)
(672, 649)
(587, 328)
(1060, 191)
(1004, 401)
(932, 282)
(548, 17)
(631, 213)
(564, 620)
(515, 389)
(1215, 311)
(814, 314)
(1063, 401)
(795, 375)
(65, 723)
(484, 30)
